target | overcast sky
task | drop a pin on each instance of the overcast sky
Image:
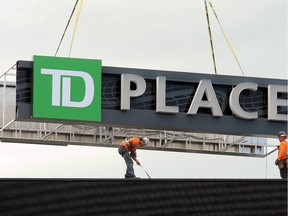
(153, 34)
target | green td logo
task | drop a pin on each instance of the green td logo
(67, 88)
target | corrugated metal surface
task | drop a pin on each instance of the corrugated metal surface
(107, 197)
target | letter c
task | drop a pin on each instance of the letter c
(234, 100)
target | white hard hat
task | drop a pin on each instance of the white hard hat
(281, 134)
(146, 140)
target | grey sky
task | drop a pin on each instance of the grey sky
(155, 34)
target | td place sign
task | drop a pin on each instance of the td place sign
(84, 91)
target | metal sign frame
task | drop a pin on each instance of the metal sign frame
(180, 90)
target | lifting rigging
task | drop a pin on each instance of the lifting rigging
(12, 130)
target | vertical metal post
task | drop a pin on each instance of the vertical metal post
(100, 134)
(4, 100)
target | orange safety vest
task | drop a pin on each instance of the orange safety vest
(133, 143)
(282, 152)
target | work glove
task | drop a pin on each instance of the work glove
(276, 162)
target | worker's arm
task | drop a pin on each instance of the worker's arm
(137, 161)
(134, 156)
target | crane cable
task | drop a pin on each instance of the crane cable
(76, 25)
(226, 38)
(66, 27)
(210, 36)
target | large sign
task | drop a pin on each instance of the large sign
(76, 90)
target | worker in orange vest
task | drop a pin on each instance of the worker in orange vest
(281, 160)
(127, 149)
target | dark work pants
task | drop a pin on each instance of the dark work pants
(128, 160)
(283, 172)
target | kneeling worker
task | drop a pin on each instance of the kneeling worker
(127, 149)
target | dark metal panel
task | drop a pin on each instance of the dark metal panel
(199, 123)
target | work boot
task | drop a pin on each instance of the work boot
(131, 177)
